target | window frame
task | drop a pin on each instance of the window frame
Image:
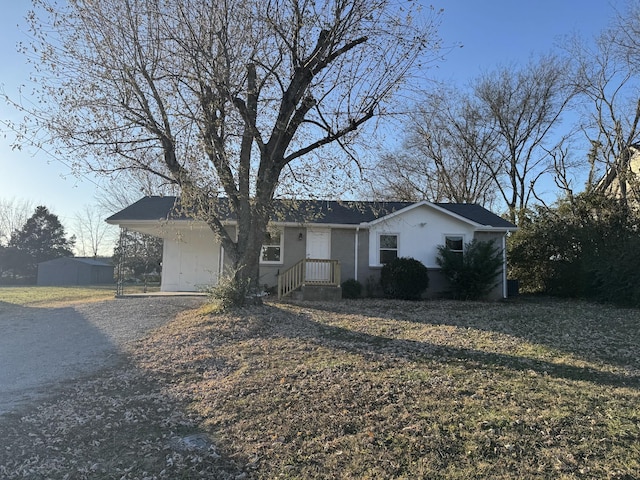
(458, 237)
(381, 249)
(279, 246)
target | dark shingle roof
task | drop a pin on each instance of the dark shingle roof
(336, 213)
(147, 208)
(293, 211)
(306, 211)
(477, 214)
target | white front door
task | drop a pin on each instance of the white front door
(318, 248)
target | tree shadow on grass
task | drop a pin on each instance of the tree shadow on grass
(593, 332)
(364, 343)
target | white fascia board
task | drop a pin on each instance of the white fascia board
(125, 223)
(160, 228)
(488, 228)
(162, 221)
(201, 224)
(158, 223)
(316, 225)
(149, 227)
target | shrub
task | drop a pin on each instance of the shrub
(586, 247)
(612, 276)
(404, 278)
(351, 288)
(372, 288)
(471, 275)
(228, 292)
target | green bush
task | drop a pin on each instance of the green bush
(372, 288)
(351, 288)
(614, 277)
(404, 278)
(585, 247)
(472, 274)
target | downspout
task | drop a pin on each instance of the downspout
(505, 293)
(355, 259)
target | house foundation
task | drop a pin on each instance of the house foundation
(321, 293)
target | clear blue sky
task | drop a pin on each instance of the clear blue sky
(495, 32)
(492, 32)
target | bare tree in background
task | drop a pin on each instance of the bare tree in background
(220, 97)
(522, 107)
(607, 76)
(13, 215)
(445, 156)
(136, 254)
(94, 237)
(92, 232)
(492, 143)
(128, 187)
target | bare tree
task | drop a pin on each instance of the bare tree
(606, 76)
(13, 215)
(220, 97)
(445, 154)
(522, 107)
(136, 254)
(127, 187)
(401, 176)
(92, 232)
(563, 167)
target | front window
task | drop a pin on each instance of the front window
(455, 243)
(388, 248)
(272, 247)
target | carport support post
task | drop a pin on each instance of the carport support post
(121, 262)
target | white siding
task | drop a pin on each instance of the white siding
(420, 230)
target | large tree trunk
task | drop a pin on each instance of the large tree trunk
(246, 275)
(244, 279)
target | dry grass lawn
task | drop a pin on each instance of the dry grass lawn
(370, 389)
(47, 296)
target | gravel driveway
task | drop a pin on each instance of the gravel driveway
(42, 347)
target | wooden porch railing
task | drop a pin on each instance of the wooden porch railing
(309, 271)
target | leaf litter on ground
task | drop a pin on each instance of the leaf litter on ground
(355, 389)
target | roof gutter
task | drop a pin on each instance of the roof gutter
(489, 228)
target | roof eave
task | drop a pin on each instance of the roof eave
(184, 221)
(419, 204)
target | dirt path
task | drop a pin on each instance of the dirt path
(40, 348)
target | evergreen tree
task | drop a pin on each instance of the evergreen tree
(475, 272)
(41, 238)
(138, 254)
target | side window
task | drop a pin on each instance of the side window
(388, 248)
(272, 247)
(455, 243)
